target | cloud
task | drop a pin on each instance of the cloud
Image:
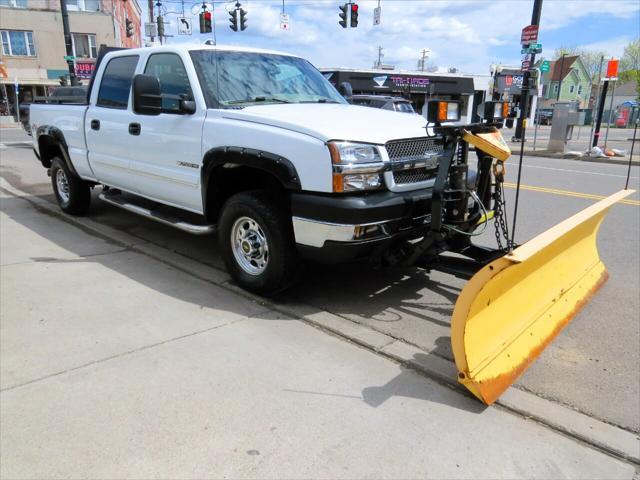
(468, 34)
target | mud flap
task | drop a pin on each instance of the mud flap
(515, 306)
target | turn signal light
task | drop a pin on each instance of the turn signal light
(439, 111)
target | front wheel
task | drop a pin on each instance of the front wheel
(72, 193)
(255, 238)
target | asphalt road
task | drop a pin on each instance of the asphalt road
(593, 366)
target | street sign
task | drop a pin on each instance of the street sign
(612, 68)
(69, 58)
(284, 21)
(376, 15)
(150, 29)
(545, 66)
(529, 35)
(184, 26)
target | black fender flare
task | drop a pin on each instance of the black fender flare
(57, 138)
(276, 165)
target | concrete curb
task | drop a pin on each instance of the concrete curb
(601, 435)
(564, 156)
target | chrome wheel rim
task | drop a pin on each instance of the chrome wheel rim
(63, 186)
(249, 245)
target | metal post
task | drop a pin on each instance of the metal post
(635, 130)
(151, 17)
(606, 135)
(560, 83)
(603, 96)
(593, 116)
(17, 90)
(524, 93)
(524, 107)
(67, 41)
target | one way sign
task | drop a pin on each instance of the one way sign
(184, 26)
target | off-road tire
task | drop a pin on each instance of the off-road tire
(77, 199)
(272, 214)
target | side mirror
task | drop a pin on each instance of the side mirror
(147, 99)
(345, 89)
(187, 106)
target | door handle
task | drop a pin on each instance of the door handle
(95, 124)
(134, 128)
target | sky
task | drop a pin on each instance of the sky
(466, 34)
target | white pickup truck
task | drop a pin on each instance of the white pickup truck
(260, 147)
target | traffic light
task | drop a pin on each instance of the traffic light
(344, 9)
(160, 21)
(354, 15)
(243, 19)
(233, 20)
(129, 27)
(205, 22)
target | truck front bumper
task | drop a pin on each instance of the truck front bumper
(334, 229)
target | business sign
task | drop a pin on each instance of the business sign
(510, 82)
(529, 35)
(84, 68)
(184, 26)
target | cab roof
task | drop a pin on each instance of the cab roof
(188, 47)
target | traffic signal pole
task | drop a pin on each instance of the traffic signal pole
(67, 42)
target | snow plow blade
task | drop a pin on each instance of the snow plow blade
(516, 305)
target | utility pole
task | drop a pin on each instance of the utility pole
(526, 80)
(380, 55)
(423, 60)
(522, 123)
(560, 82)
(151, 17)
(67, 42)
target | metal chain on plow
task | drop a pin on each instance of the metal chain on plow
(500, 207)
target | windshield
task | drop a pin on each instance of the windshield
(404, 107)
(242, 78)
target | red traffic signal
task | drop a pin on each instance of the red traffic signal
(205, 22)
(354, 15)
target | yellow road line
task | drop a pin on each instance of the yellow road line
(567, 193)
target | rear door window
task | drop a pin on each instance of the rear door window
(116, 82)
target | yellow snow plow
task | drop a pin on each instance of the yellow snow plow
(518, 298)
(515, 306)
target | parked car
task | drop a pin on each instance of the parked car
(396, 104)
(544, 116)
(260, 148)
(75, 94)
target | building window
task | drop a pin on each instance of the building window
(579, 89)
(555, 88)
(18, 43)
(13, 3)
(84, 45)
(572, 88)
(83, 5)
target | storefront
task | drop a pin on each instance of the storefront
(418, 87)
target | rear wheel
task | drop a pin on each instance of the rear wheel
(255, 238)
(72, 193)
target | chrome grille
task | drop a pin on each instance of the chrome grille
(414, 175)
(413, 150)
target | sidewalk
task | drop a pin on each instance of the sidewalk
(116, 364)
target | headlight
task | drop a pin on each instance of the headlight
(355, 153)
(356, 166)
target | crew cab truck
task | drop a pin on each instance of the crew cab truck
(258, 146)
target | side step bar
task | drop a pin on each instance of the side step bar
(116, 200)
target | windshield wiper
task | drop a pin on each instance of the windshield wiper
(320, 100)
(258, 99)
